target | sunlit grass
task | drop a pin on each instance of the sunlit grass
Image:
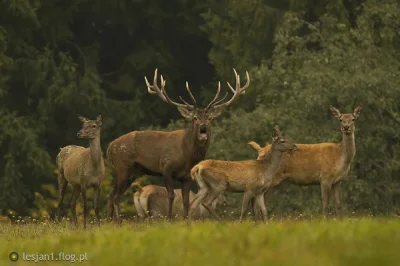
(352, 242)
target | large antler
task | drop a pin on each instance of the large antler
(236, 92)
(154, 89)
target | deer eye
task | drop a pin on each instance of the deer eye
(93, 126)
(195, 117)
(341, 120)
(352, 119)
(283, 141)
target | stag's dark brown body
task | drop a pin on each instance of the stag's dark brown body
(167, 154)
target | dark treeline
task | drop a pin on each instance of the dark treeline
(60, 58)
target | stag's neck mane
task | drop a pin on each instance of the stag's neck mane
(272, 163)
(95, 151)
(192, 147)
(348, 147)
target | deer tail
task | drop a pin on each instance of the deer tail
(138, 187)
(195, 173)
(139, 210)
(256, 146)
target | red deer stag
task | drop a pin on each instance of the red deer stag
(325, 164)
(82, 167)
(152, 201)
(253, 177)
(167, 154)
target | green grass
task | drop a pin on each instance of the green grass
(352, 242)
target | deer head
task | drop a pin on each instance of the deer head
(346, 120)
(281, 143)
(90, 128)
(200, 117)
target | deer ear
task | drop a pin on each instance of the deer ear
(335, 111)
(186, 113)
(275, 133)
(82, 118)
(357, 111)
(99, 119)
(216, 111)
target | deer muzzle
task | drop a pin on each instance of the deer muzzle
(203, 131)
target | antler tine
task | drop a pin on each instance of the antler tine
(216, 96)
(191, 95)
(154, 89)
(238, 90)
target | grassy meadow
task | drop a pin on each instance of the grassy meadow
(358, 241)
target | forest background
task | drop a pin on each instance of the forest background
(60, 58)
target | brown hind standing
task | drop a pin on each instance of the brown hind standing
(167, 154)
(325, 164)
(152, 201)
(253, 177)
(82, 167)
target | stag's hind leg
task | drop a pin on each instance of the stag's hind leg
(122, 183)
(201, 195)
(213, 195)
(62, 186)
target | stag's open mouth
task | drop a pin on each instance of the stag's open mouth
(203, 132)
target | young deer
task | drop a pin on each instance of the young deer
(152, 201)
(326, 164)
(253, 177)
(82, 167)
(167, 154)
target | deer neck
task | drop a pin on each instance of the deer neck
(192, 147)
(348, 147)
(95, 151)
(272, 163)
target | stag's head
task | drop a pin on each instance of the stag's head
(90, 128)
(200, 117)
(347, 120)
(281, 143)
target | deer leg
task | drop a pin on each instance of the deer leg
(261, 204)
(254, 208)
(62, 186)
(186, 184)
(169, 184)
(85, 208)
(268, 195)
(201, 195)
(96, 203)
(110, 210)
(121, 186)
(325, 191)
(209, 200)
(245, 204)
(337, 189)
(74, 197)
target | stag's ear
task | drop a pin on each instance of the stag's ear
(186, 113)
(82, 118)
(99, 119)
(357, 111)
(335, 111)
(215, 112)
(276, 133)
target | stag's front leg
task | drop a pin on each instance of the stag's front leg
(186, 184)
(209, 200)
(169, 184)
(96, 203)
